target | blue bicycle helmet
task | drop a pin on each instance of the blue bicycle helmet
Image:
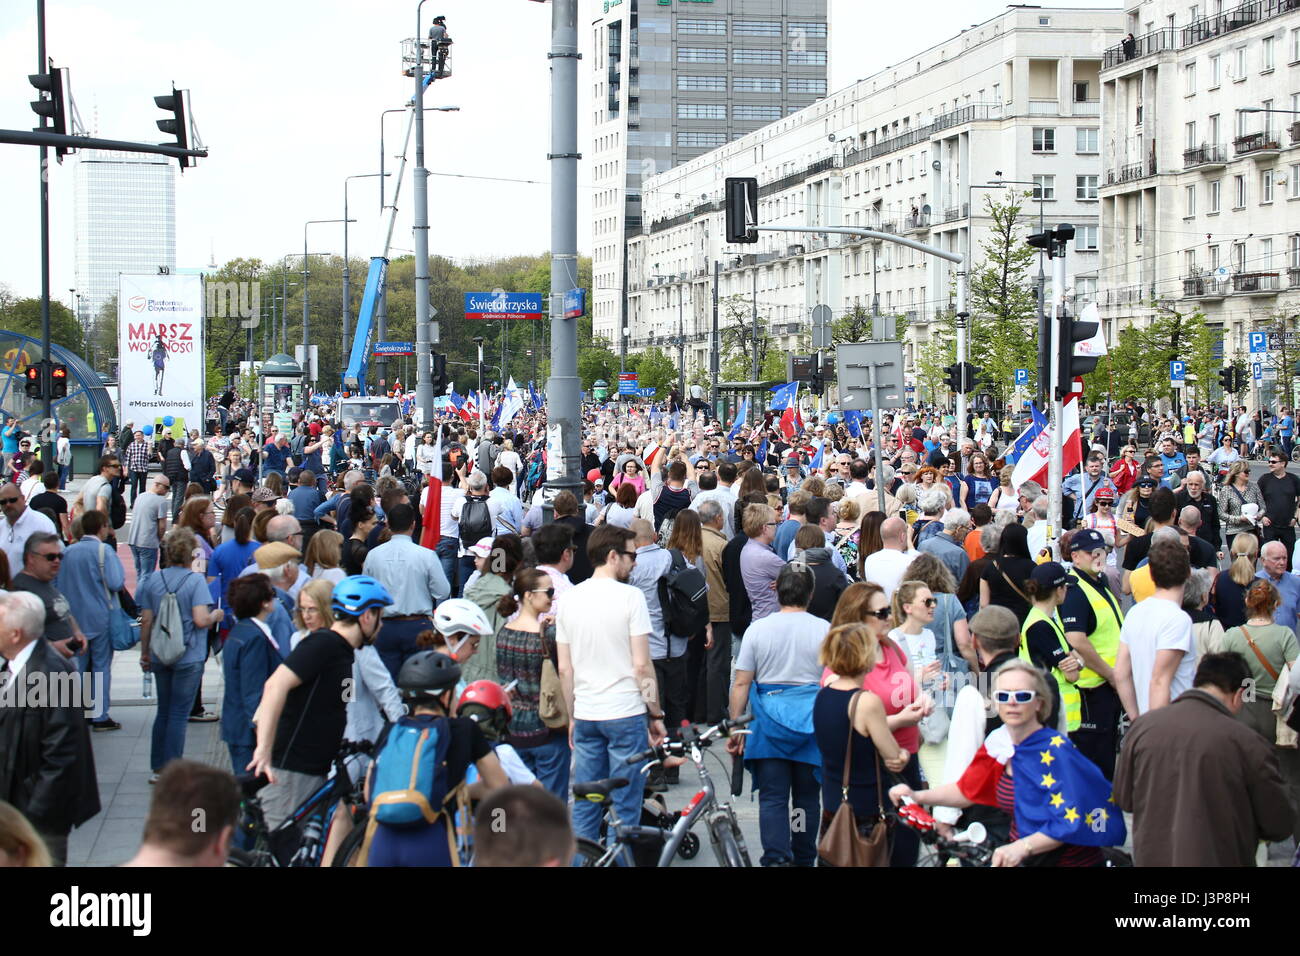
(357, 594)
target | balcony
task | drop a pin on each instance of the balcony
(1086, 108)
(1294, 130)
(1044, 107)
(1207, 28)
(1156, 41)
(1256, 283)
(1130, 172)
(954, 213)
(1206, 157)
(917, 223)
(1202, 287)
(1263, 145)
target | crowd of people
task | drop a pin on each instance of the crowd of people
(919, 616)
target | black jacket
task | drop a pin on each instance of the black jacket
(828, 583)
(174, 468)
(47, 766)
(203, 469)
(742, 612)
(582, 568)
(1209, 508)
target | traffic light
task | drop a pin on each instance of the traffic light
(742, 209)
(1070, 332)
(35, 384)
(1044, 355)
(952, 376)
(1228, 379)
(439, 373)
(178, 125)
(52, 103)
(817, 384)
(970, 377)
(58, 380)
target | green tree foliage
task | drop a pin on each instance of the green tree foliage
(1003, 301)
(24, 317)
(940, 350)
(654, 370)
(1137, 365)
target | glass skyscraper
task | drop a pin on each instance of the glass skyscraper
(126, 222)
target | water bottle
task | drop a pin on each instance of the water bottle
(146, 685)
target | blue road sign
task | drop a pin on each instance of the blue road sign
(575, 303)
(1258, 342)
(1257, 370)
(647, 392)
(394, 348)
(628, 383)
(1177, 371)
(503, 305)
(1022, 376)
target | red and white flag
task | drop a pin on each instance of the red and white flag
(433, 503)
(1032, 465)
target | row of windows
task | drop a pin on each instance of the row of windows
(697, 139)
(1085, 187)
(749, 84)
(1085, 139)
(1268, 191)
(1262, 261)
(1244, 123)
(750, 28)
(718, 111)
(1238, 62)
(771, 57)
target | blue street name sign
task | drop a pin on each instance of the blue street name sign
(394, 348)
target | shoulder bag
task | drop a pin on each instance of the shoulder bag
(551, 706)
(843, 844)
(1283, 735)
(123, 633)
(1012, 584)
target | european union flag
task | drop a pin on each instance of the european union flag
(1021, 444)
(1063, 794)
(819, 457)
(761, 456)
(853, 421)
(783, 396)
(741, 414)
(674, 420)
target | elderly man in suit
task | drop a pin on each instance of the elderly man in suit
(47, 767)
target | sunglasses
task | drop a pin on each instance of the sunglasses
(549, 592)
(51, 557)
(883, 614)
(931, 602)
(1014, 696)
(629, 554)
(8, 501)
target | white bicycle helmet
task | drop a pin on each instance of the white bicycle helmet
(461, 616)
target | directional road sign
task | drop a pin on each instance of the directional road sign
(394, 348)
(627, 383)
(503, 305)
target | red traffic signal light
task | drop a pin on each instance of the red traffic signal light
(32, 386)
(58, 381)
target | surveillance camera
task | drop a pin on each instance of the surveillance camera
(936, 164)
(830, 137)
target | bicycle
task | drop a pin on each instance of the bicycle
(970, 846)
(300, 839)
(720, 818)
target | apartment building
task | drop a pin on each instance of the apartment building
(909, 150)
(674, 79)
(1202, 181)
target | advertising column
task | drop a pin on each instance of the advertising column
(160, 351)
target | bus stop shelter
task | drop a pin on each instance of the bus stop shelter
(731, 394)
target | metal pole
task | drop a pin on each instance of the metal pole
(1054, 469)
(754, 321)
(478, 399)
(875, 436)
(306, 292)
(423, 372)
(962, 318)
(681, 343)
(716, 357)
(564, 421)
(47, 453)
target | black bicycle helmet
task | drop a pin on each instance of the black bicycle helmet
(428, 673)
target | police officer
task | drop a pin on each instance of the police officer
(1092, 621)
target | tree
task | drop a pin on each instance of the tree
(1003, 301)
(597, 362)
(1137, 366)
(737, 337)
(24, 317)
(940, 350)
(856, 325)
(654, 370)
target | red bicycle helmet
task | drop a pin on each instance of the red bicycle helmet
(487, 693)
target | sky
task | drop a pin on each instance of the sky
(287, 96)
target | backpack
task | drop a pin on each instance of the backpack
(684, 598)
(410, 780)
(117, 506)
(475, 520)
(167, 646)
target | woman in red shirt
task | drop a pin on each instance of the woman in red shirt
(1125, 471)
(892, 682)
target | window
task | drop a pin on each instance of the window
(1266, 186)
(1293, 256)
(1044, 139)
(1267, 54)
(1216, 70)
(1295, 45)
(1216, 192)
(756, 56)
(1045, 187)
(1085, 239)
(756, 28)
(1239, 64)
(1044, 21)
(1239, 256)
(701, 55)
(1189, 262)
(1214, 258)
(1238, 192)
(1265, 254)
(701, 111)
(710, 84)
(1190, 137)
(805, 28)
(712, 27)
(1080, 93)
(756, 84)
(747, 112)
(1189, 78)
(1085, 140)
(1243, 122)
(924, 163)
(807, 58)
(800, 84)
(1085, 187)
(1212, 129)
(1189, 201)
(709, 140)
(1293, 182)
(1085, 288)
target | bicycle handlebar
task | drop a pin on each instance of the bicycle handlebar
(675, 748)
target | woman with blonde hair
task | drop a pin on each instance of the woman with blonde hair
(324, 555)
(907, 509)
(1237, 493)
(949, 626)
(1229, 593)
(847, 534)
(1004, 496)
(312, 609)
(20, 844)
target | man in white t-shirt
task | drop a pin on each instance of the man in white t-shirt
(887, 565)
(1157, 651)
(603, 647)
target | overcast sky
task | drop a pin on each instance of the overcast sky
(287, 96)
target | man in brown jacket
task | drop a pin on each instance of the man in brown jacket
(717, 663)
(1203, 788)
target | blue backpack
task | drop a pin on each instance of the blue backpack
(410, 780)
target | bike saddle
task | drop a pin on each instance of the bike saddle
(249, 785)
(598, 791)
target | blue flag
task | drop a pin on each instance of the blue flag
(1021, 444)
(853, 421)
(741, 414)
(673, 420)
(655, 415)
(761, 457)
(783, 395)
(536, 399)
(1061, 793)
(817, 458)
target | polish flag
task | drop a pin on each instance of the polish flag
(433, 504)
(791, 422)
(1032, 465)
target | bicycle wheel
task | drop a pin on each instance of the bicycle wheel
(350, 848)
(725, 846)
(589, 853)
(928, 855)
(1295, 452)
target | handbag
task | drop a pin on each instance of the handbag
(1283, 734)
(843, 844)
(123, 633)
(550, 699)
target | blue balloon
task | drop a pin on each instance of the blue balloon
(169, 421)
(148, 430)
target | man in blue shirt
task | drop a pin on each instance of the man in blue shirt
(1171, 457)
(275, 456)
(1286, 431)
(90, 575)
(10, 440)
(1273, 556)
(1083, 489)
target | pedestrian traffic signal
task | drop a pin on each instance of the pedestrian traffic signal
(439, 373)
(962, 377)
(1070, 332)
(178, 124)
(35, 384)
(952, 376)
(58, 381)
(52, 102)
(1228, 379)
(742, 209)
(1044, 355)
